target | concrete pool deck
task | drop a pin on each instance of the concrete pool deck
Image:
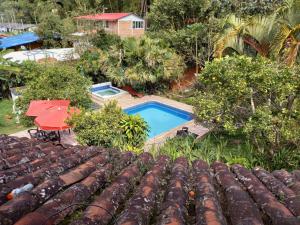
(127, 101)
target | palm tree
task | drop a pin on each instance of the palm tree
(286, 43)
(254, 32)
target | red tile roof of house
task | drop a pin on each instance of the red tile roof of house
(104, 16)
(91, 185)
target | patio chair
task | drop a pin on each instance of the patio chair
(44, 135)
(184, 132)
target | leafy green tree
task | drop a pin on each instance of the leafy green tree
(54, 29)
(176, 14)
(256, 97)
(194, 43)
(141, 62)
(246, 8)
(110, 127)
(89, 65)
(104, 40)
(55, 81)
(9, 76)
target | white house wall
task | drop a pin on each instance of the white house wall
(131, 18)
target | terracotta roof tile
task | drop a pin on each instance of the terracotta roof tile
(90, 185)
(104, 16)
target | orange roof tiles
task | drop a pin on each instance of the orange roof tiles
(105, 186)
(104, 16)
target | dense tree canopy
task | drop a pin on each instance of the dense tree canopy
(53, 81)
(145, 61)
(256, 97)
(193, 43)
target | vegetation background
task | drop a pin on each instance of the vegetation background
(246, 55)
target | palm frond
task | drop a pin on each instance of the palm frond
(280, 38)
(231, 37)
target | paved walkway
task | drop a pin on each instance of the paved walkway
(66, 138)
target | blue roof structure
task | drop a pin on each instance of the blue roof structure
(17, 40)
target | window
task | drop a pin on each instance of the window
(138, 24)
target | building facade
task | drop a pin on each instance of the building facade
(121, 24)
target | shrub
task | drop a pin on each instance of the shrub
(104, 40)
(55, 81)
(110, 127)
(89, 65)
(255, 97)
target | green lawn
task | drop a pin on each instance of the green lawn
(8, 123)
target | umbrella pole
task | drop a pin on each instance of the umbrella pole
(58, 137)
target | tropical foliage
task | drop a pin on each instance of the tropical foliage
(145, 61)
(275, 35)
(286, 42)
(110, 127)
(195, 43)
(255, 97)
(104, 40)
(89, 65)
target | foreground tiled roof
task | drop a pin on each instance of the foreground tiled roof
(89, 185)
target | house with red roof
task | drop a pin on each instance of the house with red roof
(121, 24)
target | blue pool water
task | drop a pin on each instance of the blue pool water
(105, 90)
(160, 117)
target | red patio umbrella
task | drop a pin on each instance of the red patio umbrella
(36, 107)
(54, 118)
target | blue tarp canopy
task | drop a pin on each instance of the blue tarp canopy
(17, 40)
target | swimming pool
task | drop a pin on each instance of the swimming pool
(105, 90)
(160, 117)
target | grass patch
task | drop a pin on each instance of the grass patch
(230, 150)
(8, 123)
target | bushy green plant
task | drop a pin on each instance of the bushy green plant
(256, 97)
(98, 128)
(194, 42)
(55, 81)
(104, 40)
(134, 130)
(89, 65)
(110, 127)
